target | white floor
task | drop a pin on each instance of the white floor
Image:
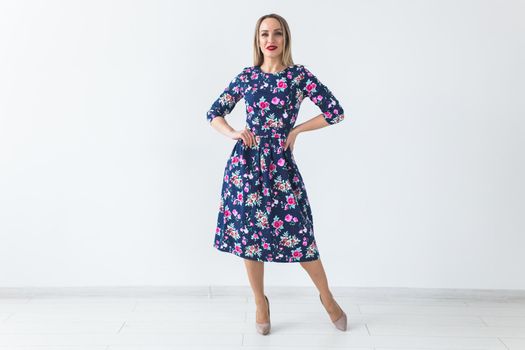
(223, 318)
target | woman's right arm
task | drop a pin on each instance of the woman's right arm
(221, 125)
(223, 105)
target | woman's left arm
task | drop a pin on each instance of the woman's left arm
(322, 97)
(317, 122)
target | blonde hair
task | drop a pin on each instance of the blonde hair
(286, 58)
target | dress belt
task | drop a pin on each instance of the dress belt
(271, 136)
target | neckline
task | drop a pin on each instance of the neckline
(274, 73)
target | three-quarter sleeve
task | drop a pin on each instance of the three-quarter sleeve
(227, 100)
(322, 97)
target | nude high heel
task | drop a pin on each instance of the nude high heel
(264, 328)
(340, 323)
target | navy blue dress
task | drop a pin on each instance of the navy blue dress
(264, 213)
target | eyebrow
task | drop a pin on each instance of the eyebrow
(265, 30)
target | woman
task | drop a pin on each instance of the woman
(264, 213)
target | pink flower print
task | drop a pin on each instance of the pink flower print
(280, 161)
(266, 245)
(227, 214)
(277, 224)
(281, 84)
(226, 178)
(288, 218)
(237, 248)
(310, 87)
(291, 200)
(272, 167)
(249, 109)
(297, 253)
(295, 219)
(264, 105)
(275, 100)
(235, 160)
(265, 191)
(234, 212)
(239, 196)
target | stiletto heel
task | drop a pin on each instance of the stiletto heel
(264, 328)
(341, 322)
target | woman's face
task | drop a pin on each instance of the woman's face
(271, 38)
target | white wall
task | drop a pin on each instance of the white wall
(110, 174)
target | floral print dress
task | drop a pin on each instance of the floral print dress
(264, 213)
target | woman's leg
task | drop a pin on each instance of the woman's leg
(316, 271)
(255, 270)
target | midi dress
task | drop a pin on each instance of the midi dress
(264, 213)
